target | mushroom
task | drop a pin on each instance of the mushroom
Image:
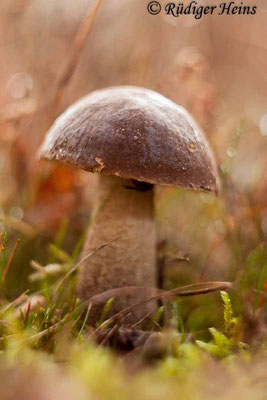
(135, 138)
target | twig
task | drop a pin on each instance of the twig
(188, 290)
(9, 260)
(142, 319)
(75, 54)
(112, 332)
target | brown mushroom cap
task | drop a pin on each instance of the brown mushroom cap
(134, 133)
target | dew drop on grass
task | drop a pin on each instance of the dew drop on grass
(231, 152)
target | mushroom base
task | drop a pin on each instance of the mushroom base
(123, 221)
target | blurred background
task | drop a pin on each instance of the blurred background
(216, 67)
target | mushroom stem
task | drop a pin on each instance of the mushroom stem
(124, 219)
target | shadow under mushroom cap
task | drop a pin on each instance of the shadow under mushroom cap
(135, 133)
